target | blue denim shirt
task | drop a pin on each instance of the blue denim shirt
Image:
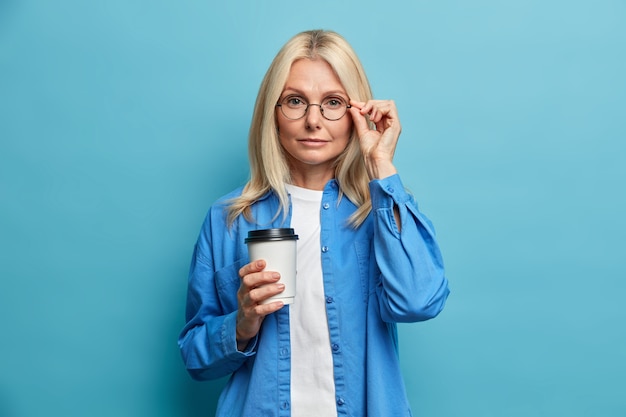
(374, 277)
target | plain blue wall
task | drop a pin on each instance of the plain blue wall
(122, 121)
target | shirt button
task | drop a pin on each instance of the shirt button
(340, 401)
(326, 206)
(284, 352)
(335, 347)
(285, 405)
(329, 300)
(324, 249)
(390, 189)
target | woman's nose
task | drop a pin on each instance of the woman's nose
(313, 116)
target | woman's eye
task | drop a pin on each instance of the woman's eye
(294, 101)
(334, 102)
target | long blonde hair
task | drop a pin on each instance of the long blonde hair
(269, 169)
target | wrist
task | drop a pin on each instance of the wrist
(378, 170)
(242, 342)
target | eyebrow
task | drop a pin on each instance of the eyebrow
(341, 93)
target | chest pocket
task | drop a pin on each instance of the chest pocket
(227, 283)
(364, 261)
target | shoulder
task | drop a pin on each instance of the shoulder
(215, 223)
(226, 198)
(219, 209)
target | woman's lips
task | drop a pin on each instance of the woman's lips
(312, 141)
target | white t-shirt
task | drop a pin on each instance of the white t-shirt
(312, 382)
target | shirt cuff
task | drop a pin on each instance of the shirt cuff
(387, 191)
(229, 337)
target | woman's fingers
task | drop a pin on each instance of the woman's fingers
(255, 266)
(361, 123)
(378, 128)
(257, 285)
(262, 293)
(382, 113)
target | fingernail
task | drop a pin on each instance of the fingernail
(275, 275)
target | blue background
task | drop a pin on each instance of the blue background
(122, 121)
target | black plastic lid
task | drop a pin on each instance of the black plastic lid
(264, 235)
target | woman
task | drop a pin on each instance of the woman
(320, 152)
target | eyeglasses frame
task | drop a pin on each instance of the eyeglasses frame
(306, 109)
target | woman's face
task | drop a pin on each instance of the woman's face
(312, 143)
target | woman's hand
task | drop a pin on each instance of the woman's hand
(256, 286)
(377, 145)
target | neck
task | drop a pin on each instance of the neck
(311, 180)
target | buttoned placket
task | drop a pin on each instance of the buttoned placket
(327, 219)
(284, 351)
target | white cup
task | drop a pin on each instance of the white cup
(277, 247)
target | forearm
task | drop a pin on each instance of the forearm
(412, 284)
(209, 348)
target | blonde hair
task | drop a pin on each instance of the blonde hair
(269, 169)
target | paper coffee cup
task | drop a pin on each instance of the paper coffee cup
(277, 247)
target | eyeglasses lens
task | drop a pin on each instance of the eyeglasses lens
(332, 108)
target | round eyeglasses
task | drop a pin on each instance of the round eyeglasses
(295, 107)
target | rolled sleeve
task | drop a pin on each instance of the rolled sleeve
(412, 284)
(387, 191)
